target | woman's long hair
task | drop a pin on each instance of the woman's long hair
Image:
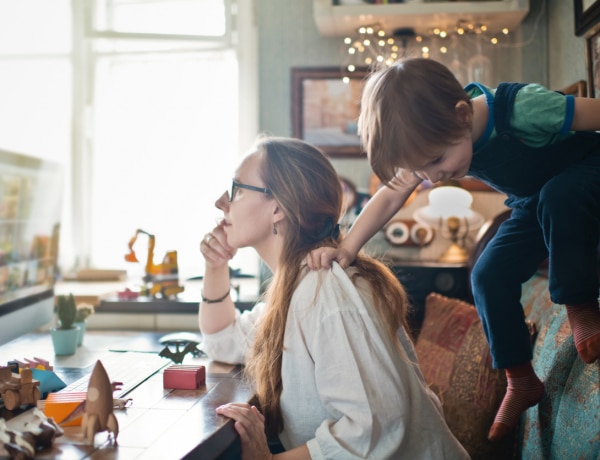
(308, 190)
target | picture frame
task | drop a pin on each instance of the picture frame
(593, 61)
(325, 108)
(587, 13)
(577, 89)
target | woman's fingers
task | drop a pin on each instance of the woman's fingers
(214, 247)
(249, 423)
(248, 416)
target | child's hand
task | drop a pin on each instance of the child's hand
(322, 258)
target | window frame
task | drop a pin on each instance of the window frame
(241, 35)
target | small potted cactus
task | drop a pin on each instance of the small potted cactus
(83, 311)
(65, 334)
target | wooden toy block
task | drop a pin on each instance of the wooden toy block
(184, 377)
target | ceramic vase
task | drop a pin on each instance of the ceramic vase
(64, 340)
(82, 328)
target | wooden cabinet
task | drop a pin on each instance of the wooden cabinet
(422, 278)
(340, 20)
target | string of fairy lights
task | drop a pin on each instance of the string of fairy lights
(372, 47)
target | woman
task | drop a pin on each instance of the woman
(333, 367)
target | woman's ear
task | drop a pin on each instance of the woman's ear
(464, 112)
(278, 214)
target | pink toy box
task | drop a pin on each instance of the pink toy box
(184, 377)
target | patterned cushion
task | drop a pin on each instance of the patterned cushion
(455, 360)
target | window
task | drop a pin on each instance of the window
(35, 77)
(142, 102)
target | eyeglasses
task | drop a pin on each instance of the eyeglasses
(235, 185)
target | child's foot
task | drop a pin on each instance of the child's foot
(522, 393)
(585, 323)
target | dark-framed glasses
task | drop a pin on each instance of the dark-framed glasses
(235, 185)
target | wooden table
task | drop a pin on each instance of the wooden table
(160, 423)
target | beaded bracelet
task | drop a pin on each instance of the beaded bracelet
(220, 299)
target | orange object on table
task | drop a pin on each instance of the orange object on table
(67, 408)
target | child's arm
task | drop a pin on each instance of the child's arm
(378, 211)
(587, 114)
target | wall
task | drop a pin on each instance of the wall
(566, 54)
(288, 37)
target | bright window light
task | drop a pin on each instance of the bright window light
(142, 109)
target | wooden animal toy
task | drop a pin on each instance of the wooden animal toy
(37, 434)
(99, 415)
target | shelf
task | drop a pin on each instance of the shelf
(341, 20)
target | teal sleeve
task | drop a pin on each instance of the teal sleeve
(568, 116)
(541, 116)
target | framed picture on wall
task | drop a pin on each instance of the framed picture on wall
(578, 89)
(593, 61)
(587, 13)
(325, 108)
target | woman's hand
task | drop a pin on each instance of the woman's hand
(250, 425)
(322, 258)
(215, 249)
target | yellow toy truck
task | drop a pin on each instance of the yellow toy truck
(160, 279)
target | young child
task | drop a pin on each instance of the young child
(533, 144)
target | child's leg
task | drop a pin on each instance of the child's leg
(571, 225)
(496, 281)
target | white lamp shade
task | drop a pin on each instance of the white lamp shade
(449, 201)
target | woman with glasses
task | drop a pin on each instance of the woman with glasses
(334, 370)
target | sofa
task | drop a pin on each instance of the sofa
(455, 361)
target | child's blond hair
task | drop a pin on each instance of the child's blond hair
(409, 115)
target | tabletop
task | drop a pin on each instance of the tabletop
(160, 423)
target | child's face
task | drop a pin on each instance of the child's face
(453, 162)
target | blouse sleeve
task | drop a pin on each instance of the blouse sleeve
(231, 344)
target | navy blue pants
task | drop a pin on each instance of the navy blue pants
(562, 223)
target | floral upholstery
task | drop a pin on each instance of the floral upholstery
(566, 423)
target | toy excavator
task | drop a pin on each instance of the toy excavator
(162, 279)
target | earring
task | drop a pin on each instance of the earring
(274, 229)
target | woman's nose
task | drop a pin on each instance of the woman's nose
(223, 202)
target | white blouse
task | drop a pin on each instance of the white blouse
(347, 393)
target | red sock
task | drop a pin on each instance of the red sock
(584, 320)
(524, 390)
